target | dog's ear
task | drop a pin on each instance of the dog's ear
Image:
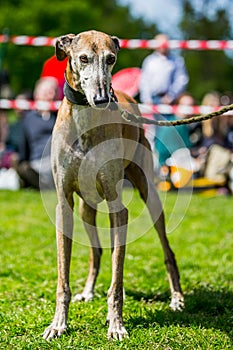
(116, 42)
(63, 45)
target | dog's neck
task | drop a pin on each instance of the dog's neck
(74, 96)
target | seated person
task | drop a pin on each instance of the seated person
(34, 165)
(170, 139)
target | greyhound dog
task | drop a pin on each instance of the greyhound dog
(92, 150)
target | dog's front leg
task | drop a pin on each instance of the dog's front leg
(88, 215)
(116, 328)
(64, 229)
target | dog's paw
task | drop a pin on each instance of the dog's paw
(83, 297)
(53, 332)
(177, 302)
(117, 330)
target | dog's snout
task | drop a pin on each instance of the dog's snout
(101, 101)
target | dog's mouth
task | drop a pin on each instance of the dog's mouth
(105, 101)
(100, 102)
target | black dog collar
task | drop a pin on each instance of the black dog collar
(74, 96)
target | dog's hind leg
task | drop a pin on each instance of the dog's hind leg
(88, 215)
(142, 178)
(64, 230)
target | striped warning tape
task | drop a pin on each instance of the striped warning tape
(129, 43)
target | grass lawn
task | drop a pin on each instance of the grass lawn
(203, 244)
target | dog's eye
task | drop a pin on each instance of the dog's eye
(110, 59)
(83, 59)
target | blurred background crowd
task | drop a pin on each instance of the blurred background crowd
(197, 155)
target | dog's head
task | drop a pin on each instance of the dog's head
(91, 57)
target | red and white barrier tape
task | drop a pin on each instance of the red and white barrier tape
(21, 104)
(129, 43)
(178, 44)
(176, 109)
(28, 40)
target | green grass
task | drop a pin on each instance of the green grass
(203, 245)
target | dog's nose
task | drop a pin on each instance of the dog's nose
(101, 100)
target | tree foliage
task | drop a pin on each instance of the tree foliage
(58, 17)
(208, 70)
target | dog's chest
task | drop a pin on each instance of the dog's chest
(94, 127)
(93, 155)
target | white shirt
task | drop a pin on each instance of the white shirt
(162, 75)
